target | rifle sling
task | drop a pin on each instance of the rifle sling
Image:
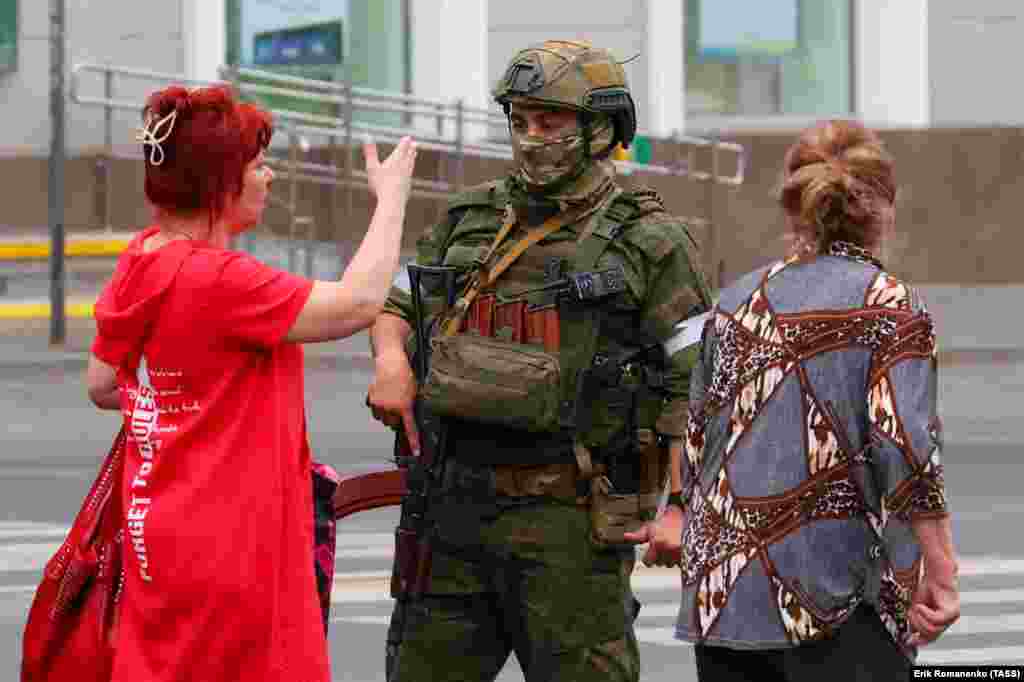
(487, 275)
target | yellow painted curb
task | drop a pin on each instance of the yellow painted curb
(76, 247)
(41, 311)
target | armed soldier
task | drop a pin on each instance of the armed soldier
(559, 376)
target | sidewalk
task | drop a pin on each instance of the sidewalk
(24, 258)
(969, 319)
(36, 245)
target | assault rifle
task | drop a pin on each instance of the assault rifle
(412, 481)
(411, 572)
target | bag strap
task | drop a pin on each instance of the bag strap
(105, 488)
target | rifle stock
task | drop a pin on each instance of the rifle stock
(369, 490)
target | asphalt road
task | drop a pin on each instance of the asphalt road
(53, 441)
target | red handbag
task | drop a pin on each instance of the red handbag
(73, 620)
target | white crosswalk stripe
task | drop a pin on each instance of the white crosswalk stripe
(361, 593)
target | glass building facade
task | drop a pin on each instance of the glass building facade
(768, 58)
(8, 35)
(364, 41)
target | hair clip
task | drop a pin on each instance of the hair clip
(148, 135)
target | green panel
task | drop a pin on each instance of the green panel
(816, 80)
(290, 103)
(8, 35)
(373, 40)
(813, 80)
(377, 51)
(233, 12)
(641, 149)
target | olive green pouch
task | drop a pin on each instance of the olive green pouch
(493, 381)
(612, 514)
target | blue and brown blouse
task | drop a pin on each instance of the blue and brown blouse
(813, 441)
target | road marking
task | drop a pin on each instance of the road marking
(41, 311)
(986, 655)
(996, 596)
(27, 532)
(38, 250)
(363, 620)
(17, 589)
(977, 625)
(364, 553)
(42, 472)
(365, 539)
(985, 565)
(26, 557)
(665, 636)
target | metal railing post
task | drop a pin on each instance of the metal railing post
(108, 150)
(349, 156)
(293, 197)
(460, 144)
(453, 138)
(710, 179)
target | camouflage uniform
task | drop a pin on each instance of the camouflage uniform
(515, 567)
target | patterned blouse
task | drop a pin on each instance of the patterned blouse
(812, 442)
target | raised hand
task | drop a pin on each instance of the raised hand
(393, 176)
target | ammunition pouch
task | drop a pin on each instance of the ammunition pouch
(625, 497)
(612, 514)
(494, 382)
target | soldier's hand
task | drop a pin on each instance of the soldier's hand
(391, 397)
(664, 538)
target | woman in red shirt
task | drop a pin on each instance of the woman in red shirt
(198, 345)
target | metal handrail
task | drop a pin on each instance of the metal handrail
(447, 110)
(362, 91)
(452, 121)
(353, 98)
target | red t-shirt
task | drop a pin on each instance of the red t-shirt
(218, 506)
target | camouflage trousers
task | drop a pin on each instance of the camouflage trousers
(529, 581)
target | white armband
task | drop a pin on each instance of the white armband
(686, 334)
(401, 281)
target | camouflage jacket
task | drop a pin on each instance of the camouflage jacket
(658, 255)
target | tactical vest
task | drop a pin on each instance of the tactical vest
(588, 335)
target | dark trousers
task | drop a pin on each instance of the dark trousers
(861, 651)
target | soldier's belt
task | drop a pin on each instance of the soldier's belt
(557, 480)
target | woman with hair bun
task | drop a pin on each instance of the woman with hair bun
(816, 541)
(199, 347)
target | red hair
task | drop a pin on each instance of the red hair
(214, 137)
(838, 184)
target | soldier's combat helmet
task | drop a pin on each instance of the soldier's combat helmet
(574, 75)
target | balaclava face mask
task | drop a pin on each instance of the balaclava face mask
(555, 172)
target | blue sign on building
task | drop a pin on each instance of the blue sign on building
(316, 44)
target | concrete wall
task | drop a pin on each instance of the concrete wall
(974, 52)
(620, 27)
(144, 35)
(958, 210)
(891, 62)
